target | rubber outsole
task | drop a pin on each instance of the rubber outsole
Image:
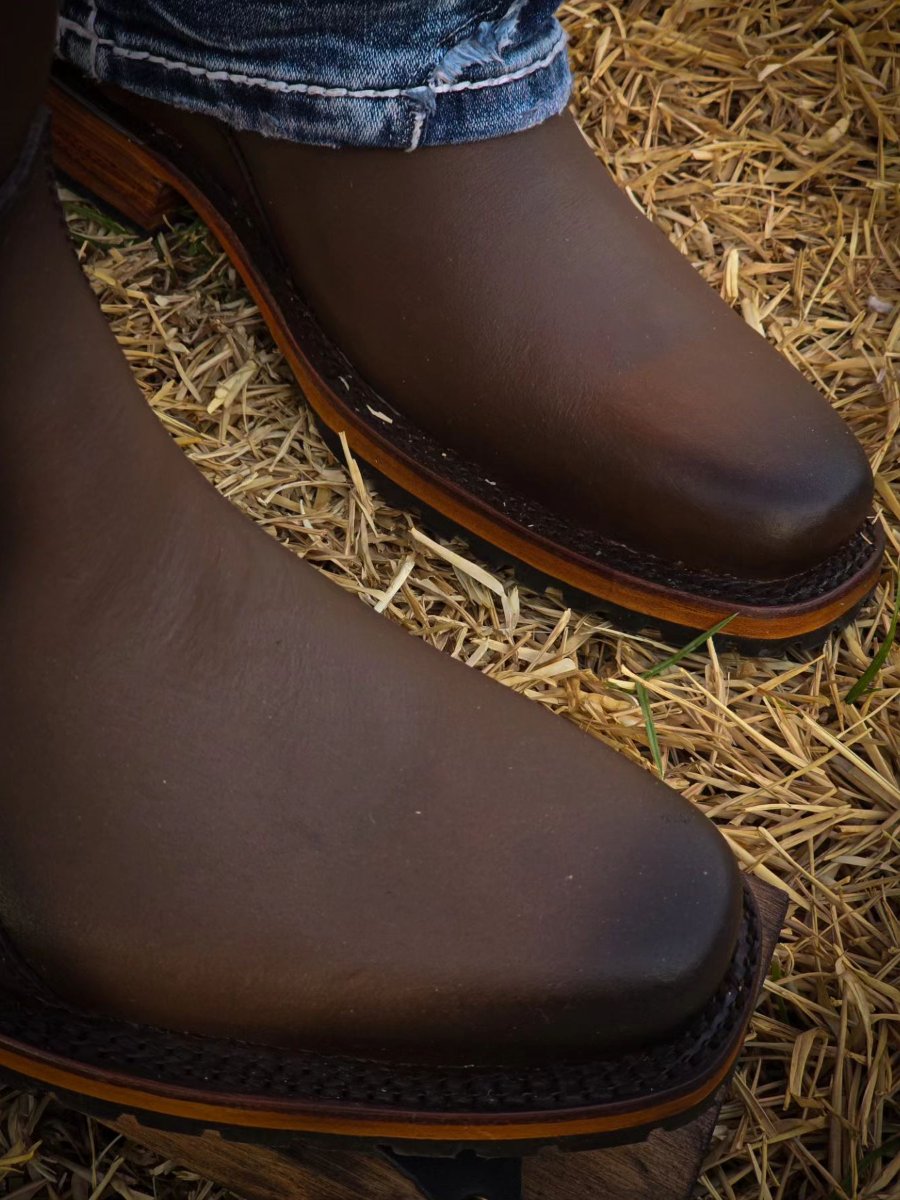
(280, 1140)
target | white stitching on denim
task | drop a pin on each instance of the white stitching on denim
(91, 32)
(308, 89)
(418, 129)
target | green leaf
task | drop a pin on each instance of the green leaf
(695, 644)
(644, 696)
(87, 212)
(644, 701)
(873, 1158)
(865, 680)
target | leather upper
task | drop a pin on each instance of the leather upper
(236, 802)
(512, 301)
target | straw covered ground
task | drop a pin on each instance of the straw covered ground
(765, 139)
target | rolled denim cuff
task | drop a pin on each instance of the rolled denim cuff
(399, 74)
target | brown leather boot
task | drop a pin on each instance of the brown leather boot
(269, 864)
(503, 336)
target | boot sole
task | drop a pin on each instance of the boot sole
(192, 1084)
(136, 170)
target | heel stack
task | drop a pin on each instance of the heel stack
(102, 159)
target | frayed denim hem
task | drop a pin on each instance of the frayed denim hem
(488, 83)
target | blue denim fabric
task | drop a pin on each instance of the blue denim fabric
(393, 73)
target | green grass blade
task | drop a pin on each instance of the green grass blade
(873, 1158)
(700, 640)
(644, 701)
(87, 212)
(644, 696)
(867, 678)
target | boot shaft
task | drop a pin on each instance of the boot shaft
(26, 51)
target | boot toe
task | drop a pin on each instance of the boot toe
(803, 505)
(485, 885)
(616, 950)
(773, 485)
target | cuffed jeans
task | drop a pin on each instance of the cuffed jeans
(390, 73)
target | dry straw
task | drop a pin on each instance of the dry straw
(765, 139)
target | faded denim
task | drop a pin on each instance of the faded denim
(391, 73)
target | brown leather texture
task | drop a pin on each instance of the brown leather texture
(25, 69)
(237, 803)
(511, 300)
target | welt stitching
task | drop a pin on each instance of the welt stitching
(308, 89)
(243, 1068)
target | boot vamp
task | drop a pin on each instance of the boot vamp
(510, 300)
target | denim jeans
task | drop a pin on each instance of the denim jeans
(392, 73)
